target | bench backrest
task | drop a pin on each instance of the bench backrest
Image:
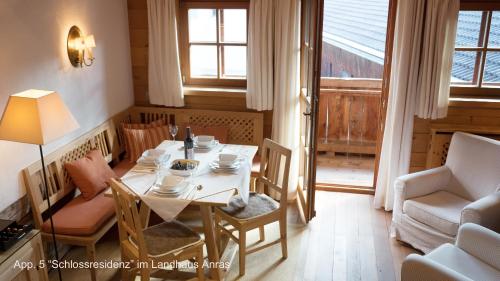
(59, 182)
(244, 127)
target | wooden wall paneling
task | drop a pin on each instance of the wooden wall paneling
(466, 117)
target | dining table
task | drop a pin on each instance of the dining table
(213, 189)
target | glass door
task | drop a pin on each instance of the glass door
(311, 38)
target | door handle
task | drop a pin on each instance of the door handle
(306, 113)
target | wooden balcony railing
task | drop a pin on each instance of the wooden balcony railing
(349, 115)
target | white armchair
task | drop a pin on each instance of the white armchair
(475, 256)
(429, 206)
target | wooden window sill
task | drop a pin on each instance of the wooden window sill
(214, 92)
(475, 102)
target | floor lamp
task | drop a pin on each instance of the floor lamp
(37, 117)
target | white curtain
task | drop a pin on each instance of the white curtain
(260, 67)
(419, 83)
(286, 87)
(164, 73)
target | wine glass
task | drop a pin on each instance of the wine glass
(173, 130)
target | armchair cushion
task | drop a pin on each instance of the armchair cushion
(440, 210)
(460, 261)
(485, 212)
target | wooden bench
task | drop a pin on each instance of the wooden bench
(61, 188)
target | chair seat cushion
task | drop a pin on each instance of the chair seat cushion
(81, 217)
(123, 167)
(440, 210)
(460, 261)
(258, 204)
(168, 236)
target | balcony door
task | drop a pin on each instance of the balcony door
(311, 38)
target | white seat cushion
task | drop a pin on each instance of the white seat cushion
(460, 261)
(440, 210)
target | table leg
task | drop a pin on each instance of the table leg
(144, 213)
(208, 229)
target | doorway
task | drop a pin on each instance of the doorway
(351, 99)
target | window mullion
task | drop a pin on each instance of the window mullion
(486, 37)
(217, 15)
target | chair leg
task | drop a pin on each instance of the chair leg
(217, 232)
(91, 258)
(284, 250)
(262, 234)
(242, 250)
(145, 274)
(199, 269)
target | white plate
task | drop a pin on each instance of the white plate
(217, 165)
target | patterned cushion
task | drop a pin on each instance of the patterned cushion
(141, 126)
(258, 204)
(140, 140)
(168, 236)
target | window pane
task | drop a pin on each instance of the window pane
(235, 61)
(495, 30)
(354, 38)
(234, 25)
(469, 26)
(463, 67)
(202, 25)
(492, 68)
(203, 61)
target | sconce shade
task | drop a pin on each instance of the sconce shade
(89, 41)
(36, 117)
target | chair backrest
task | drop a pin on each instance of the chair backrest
(59, 182)
(274, 170)
(475, 165)
(130, 227)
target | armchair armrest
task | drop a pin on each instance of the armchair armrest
(417, 268)
(480, 242)
(485, 212)
(418, 184)
(423, 183)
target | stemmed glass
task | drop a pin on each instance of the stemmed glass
(173, 130)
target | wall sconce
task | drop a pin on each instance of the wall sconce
(80, 47)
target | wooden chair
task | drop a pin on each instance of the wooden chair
(261, 209)
(159, 244)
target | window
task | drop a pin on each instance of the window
(214, 50)
(476, 62)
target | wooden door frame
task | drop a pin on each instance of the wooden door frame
(386, 79)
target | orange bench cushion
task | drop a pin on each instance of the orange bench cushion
(123, 167)
(81, 217)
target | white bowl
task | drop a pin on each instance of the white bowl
(171, 181)
(152, 154)
(205, 141)
(226, 159)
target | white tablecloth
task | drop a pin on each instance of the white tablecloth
(213, 183)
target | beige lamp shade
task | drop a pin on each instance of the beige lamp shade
(36, 117)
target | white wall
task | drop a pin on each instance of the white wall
(33, 55)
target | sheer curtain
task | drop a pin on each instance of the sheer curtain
(260, 67)
(286, 112)
(164, 73)
(420, 77)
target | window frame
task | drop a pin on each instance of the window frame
(184, 45)
(479, 89)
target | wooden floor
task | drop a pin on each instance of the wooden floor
(348, 240)
(350, 169)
